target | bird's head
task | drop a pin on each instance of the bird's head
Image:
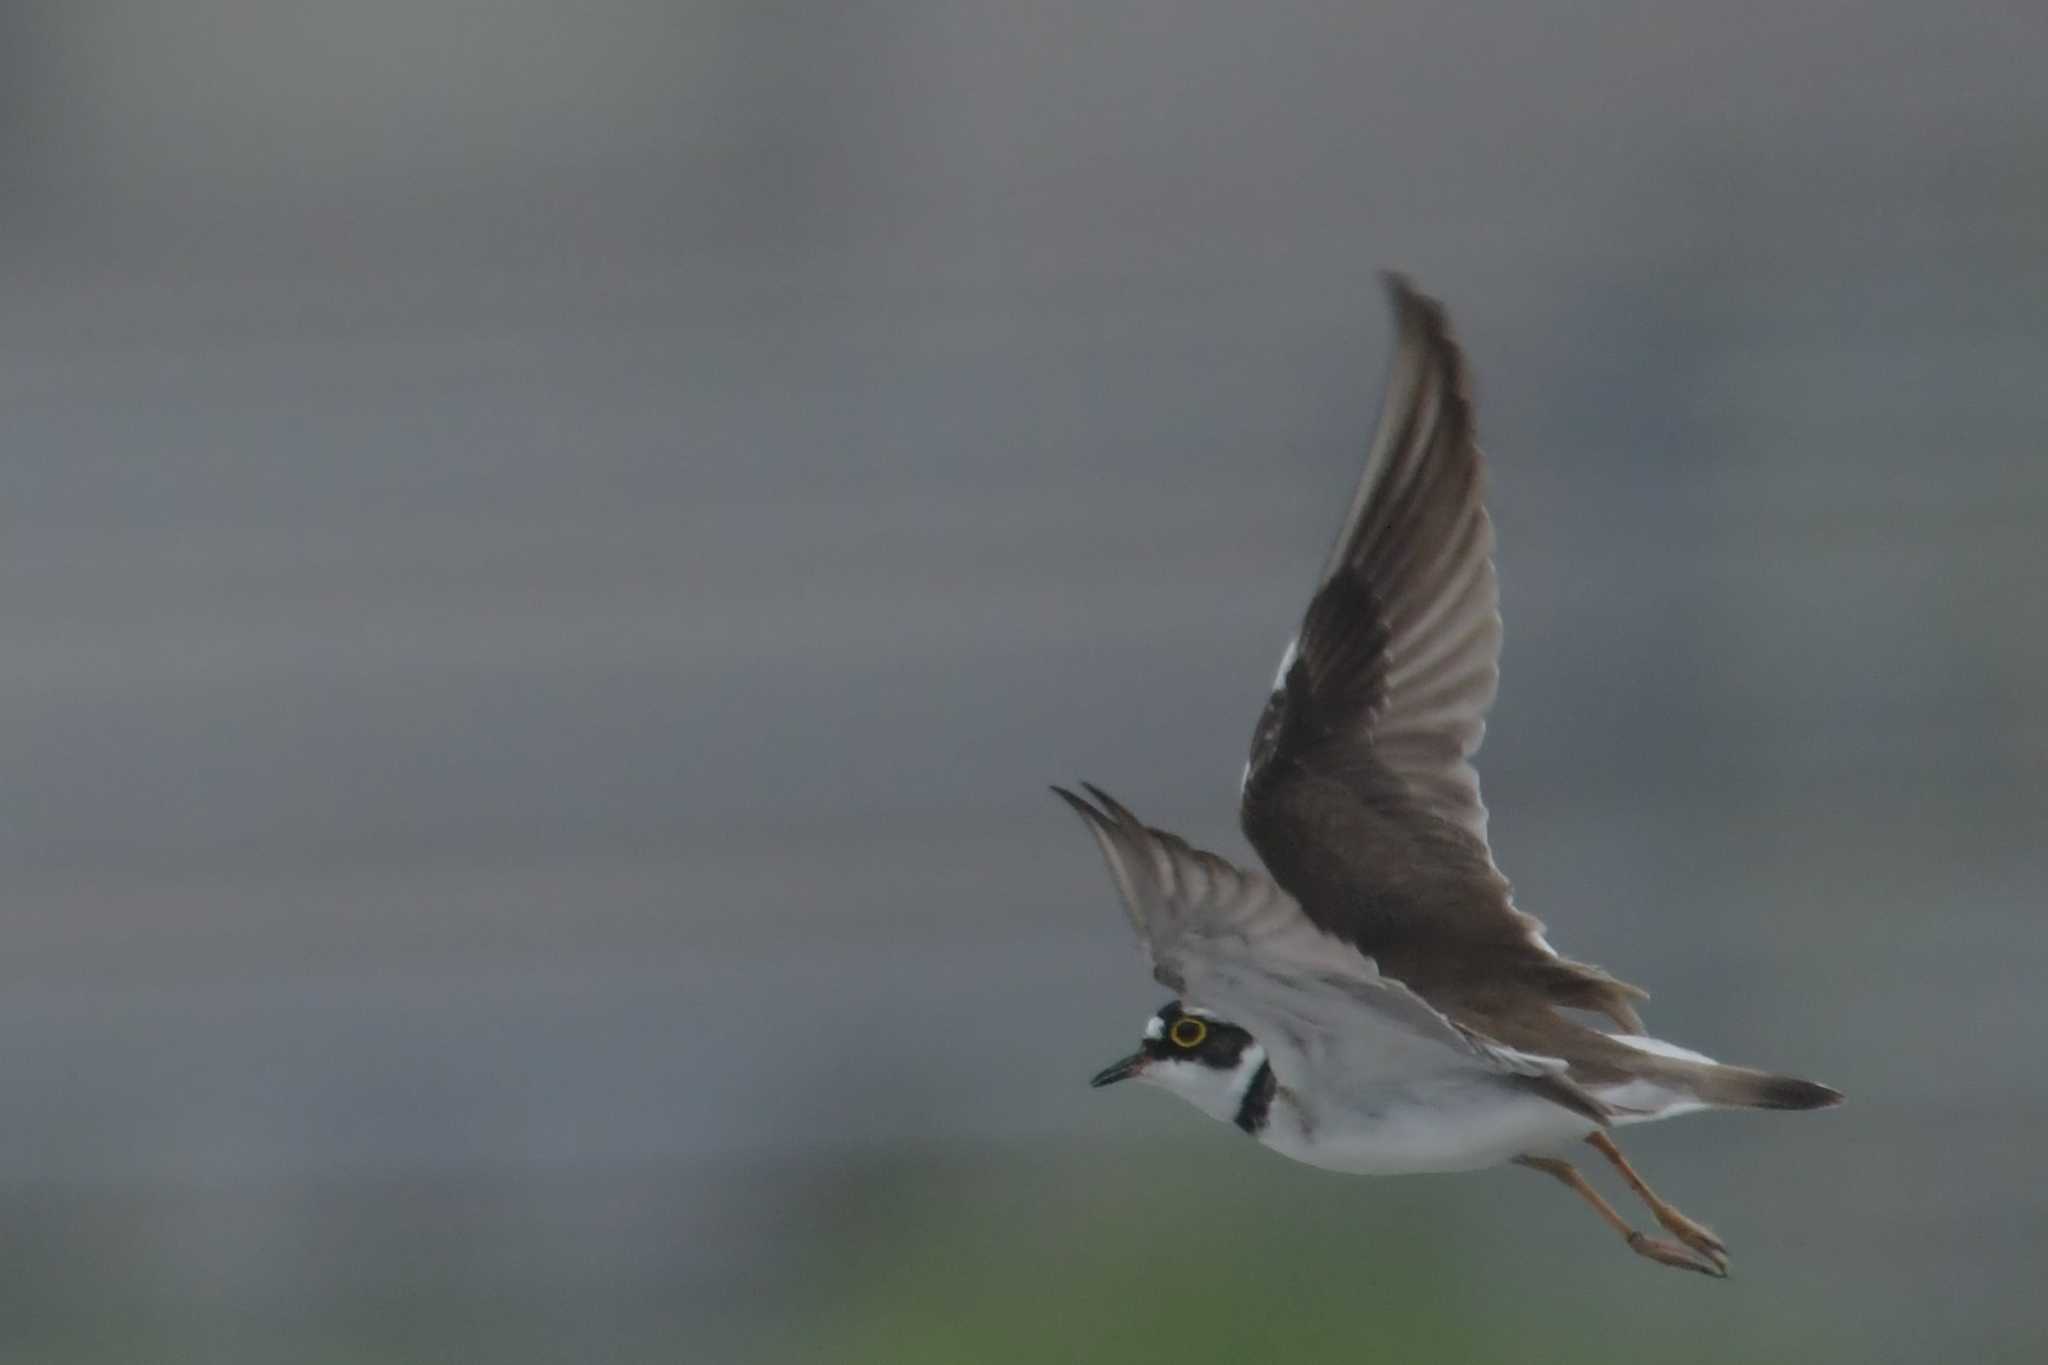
(1209, 1062)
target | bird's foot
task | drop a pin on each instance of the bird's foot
(1671, 1254)
(1700, 1239)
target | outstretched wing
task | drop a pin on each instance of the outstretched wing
(1234, 942)
(1360, 793)
(1399, 654)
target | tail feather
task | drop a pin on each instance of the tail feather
(1738, 1087)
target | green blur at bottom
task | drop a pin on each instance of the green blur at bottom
(1236, 1257)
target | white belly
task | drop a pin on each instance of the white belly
(1444, 1128)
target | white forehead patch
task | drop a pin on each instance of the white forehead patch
(1154, 1029)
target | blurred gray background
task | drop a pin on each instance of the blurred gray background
(550, 553)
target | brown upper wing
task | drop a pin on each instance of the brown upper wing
(1360, 794)
(1234, 941)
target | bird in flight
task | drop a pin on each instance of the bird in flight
(1374, 1002)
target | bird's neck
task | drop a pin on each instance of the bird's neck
(1255, 1101)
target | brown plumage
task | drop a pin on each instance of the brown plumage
(1361, 799)
(1360, 795)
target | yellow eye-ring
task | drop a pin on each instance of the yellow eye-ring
(1188, 1031)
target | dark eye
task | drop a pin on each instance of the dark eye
(1188, 1032)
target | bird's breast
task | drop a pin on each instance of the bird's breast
(1405, 1132)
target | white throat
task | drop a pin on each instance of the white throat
(1218, 1093)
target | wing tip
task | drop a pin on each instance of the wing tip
(1099, 808)
(1111, 809)
(1412, 305)
(1080, 807)
(1423, 320)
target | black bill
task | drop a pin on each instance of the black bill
(1122, 1071)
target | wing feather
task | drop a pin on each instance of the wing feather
(1360, 794)
(1232, 940)
(1404, 631)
